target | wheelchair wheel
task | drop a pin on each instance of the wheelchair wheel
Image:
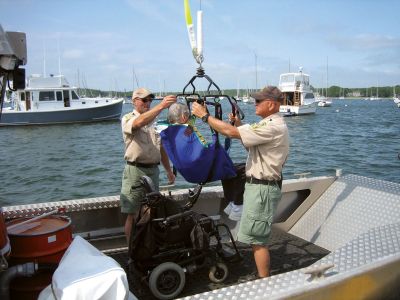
(218, 273)
(167, 280)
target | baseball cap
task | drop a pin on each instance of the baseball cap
(142, 93)
(270, 93)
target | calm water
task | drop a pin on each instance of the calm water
(52, 163)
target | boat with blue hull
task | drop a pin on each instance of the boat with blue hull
(51, 100)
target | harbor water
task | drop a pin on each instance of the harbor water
(64, 162)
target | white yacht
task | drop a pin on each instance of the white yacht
(299, 98)
(51, 100)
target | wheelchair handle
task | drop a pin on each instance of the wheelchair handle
(177, 216)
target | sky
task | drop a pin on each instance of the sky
(247, 44)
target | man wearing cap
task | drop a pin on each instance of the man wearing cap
(143, 151)
(267, 143)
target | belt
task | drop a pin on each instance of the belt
(141, 165)
(260, 181)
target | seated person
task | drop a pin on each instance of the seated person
(178, 113)
(233, 187)
(195, 159)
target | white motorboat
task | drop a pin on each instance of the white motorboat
(325, 103)
(51, 100)
(298, 96)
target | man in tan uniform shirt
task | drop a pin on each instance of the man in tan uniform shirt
(267, 143)
(143, 151)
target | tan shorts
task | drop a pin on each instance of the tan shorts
(259, 205)
(131, 191)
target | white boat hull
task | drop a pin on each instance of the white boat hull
(111, 111)
(292, 110)
(324, 103)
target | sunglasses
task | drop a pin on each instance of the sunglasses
(145, 100)
(259, 101)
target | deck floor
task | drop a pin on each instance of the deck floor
(287, 251)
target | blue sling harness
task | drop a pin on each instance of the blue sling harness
(197, 160)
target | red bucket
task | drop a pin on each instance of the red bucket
(44, 240)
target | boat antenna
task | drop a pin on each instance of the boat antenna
(44, 58)
(59, 60)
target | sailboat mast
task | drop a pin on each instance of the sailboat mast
(327, 74)
(255, 62)
(44, 59)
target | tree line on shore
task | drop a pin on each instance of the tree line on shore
(333, 91)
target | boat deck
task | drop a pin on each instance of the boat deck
(287, 251)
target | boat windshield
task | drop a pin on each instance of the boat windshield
(46, 96)
(302, 79)
(287, 78)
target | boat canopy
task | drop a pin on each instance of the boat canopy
(294, 78)
(54, 81)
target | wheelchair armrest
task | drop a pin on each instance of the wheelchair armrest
(177, 216)
(153, 194)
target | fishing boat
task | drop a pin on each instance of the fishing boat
(298, 96)
(51, 100)
(329, 233)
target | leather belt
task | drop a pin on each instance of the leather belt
(260, 181)
(141, 165)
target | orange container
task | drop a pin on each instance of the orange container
(44, 240)
(4, 241)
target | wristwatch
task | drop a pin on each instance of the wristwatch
(205, 118)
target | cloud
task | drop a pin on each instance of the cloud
(73, 54)
(150, 9)
(364, 42)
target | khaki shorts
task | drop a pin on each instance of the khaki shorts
(131, 191)
(260, 202)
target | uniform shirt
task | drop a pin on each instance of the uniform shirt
(268, 144)
(142, 145)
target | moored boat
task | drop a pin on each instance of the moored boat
(325, 103)
(298, 97)
(51, 100)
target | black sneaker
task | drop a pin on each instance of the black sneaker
(249, 277)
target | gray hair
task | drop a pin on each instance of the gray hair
(177, 112)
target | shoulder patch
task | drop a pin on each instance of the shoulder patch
(128, 116)
(258, 125)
